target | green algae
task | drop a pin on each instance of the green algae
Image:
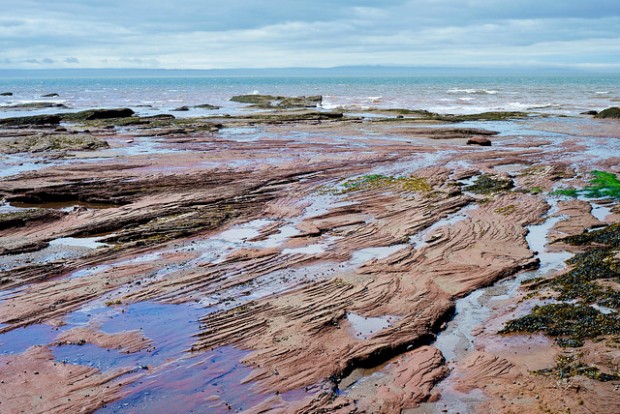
(589, 281)
(490, 184)
(506, 210)
(423, 115)
(602, 185)
(575, 321)
(372, 181)
(567, 366)
(484, 116)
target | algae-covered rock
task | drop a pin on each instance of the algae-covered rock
(301, 102)
(36, 120)
(489, 184)
(95, 114)
(44, 142)
(609, 113)
(483, 116)
(20, 218)
(207, 106)
(35, 105)
(282, 102)
(256, 99)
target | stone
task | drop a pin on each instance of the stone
(50, 95)
(94, 114)
(207, 106)
(589, 113)
(609, 113)
(478, 140)
(181, 109)
(38, 120)
(6, 94)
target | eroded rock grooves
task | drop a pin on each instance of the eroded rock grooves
(285, 261)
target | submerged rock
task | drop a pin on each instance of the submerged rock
(611, 113)
(270, 101)
(181, 109)
(94, 114)
(301, 102)
(6, 94)
(256, 99)
(478, 140)
(207, 106)
(589, 113)
(35, 105)
(50, 95)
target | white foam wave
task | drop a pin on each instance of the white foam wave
(17, 103)
(473, 91)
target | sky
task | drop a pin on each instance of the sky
(207, 34)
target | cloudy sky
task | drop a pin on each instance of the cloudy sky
(205, 34)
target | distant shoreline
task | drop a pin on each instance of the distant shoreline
(348, 71)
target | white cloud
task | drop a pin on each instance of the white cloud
(270, 33)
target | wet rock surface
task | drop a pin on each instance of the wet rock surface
(612, 113)
(296, 261)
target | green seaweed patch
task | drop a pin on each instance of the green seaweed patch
(608, 236)
(506, 210)
(567, 367)
(602, 185)
(484, 116)
(565, 321)
(372, 181)
(566, 192)
(591, 279)
(589, 267)
(490, 184)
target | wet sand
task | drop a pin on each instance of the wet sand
(292, 261)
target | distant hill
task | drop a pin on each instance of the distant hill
(286, 72)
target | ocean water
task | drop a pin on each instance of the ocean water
(564, 94)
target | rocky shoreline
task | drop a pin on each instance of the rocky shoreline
(292, 259)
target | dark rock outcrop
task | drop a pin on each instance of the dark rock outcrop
(609, 113)
(37, 120)
(589, 113)
(282, 102)
(207, 106)
(256, 99)
(50, 95)
(95, 114)
(301, 102)
(479, 140)
(181, 109)
(6, 94)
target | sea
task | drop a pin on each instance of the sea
(153, 92)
